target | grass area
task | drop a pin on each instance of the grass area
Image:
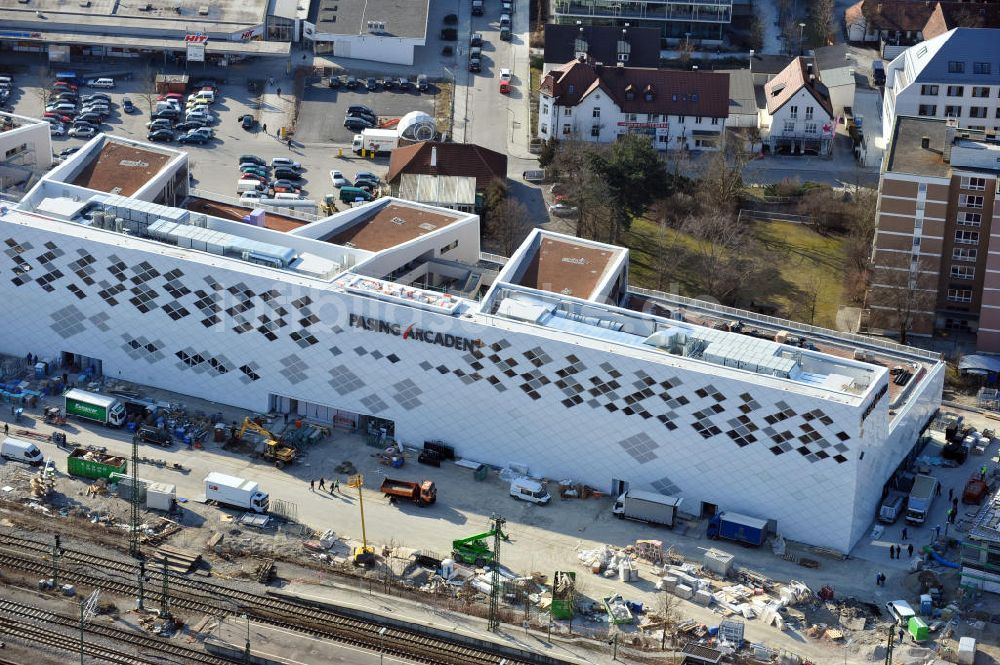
(798, 266)
(443, 105)
(536, 81)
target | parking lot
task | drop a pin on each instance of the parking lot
(321, 113)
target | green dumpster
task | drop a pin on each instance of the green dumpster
(918, 629)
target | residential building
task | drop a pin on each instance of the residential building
(677, 110)
(458, 160)
(555, 363)
(799, 114)
(606, 44)
(934, 247)
(898, 24)
(955, 75)
(675, 19)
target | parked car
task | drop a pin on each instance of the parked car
(562, 210)
(161, 135)
(250, 197)
(285, 163)
(92, 118)
(356, 124)
(251, 159)
(287, 174)
(128, 106)
(505, 34)
(253, 170)
(248, 122)
(58, 129)
(167, 114)
(422, 83)
(98, 109)
(361, 110)
(351, 83)
(507, 6)
(187, 125)
(67, 96)
(207, 132)
(338, 179)
(476, 39)
(504, 20)
(368, 175)
(193, 137)
(62, 107)
(505, 74)
(197, 116)
(371, 84)
(55, 115)
(262, 179)
(101, 83)
(286, 184)
(387, 83)
(83, 131)
(95, 96)
(404, 83)
(335, 82)
(65, 84)
(66, 152)
(170, 95)
(161, 123)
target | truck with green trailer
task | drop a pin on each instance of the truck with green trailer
(91, 464)
(102, 409)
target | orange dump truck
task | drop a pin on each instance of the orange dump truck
(422, 493)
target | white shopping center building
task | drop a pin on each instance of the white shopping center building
(387, 315)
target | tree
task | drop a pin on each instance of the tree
(666, 607)
(508, 225)
(494, 195)
(903, 293)
(820, 21)
(721, 185)
(147, 90)
(548, 153)
(634, 177)
(756, 33)
(571, 168)
(724, 256)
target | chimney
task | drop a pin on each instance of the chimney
(949, 138)
(925, 143)
(809, 68)
(434, 157)
(812, 79)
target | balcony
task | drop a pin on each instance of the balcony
(699, 11)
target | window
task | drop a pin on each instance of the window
(545, 109)
(967, 237)
(450, 246)
(981, 68)
(980, 128)
(963, 272)
(631, 117)
(596, 113)
(975, 184)
(961, 254)
(654, 117)
(956, 67)
(928, 90)
(680, 119)
(956, 90)
(789, 126)
(715, 121)
(978, 112)
(567, 129)
(697, 120)
(571, 88)
(969, 201)
(959, 295)
(544, 129)
(649, 96)
(794, 111)
(809, 113)
(810, 128)
(662, 138)
(927, 109)
(980, 91)
(970, 218)
(953, 111)
(568, 110)
(595, 131)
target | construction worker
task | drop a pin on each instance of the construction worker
(312, 485)
(982, 472)
(336, 485)
(322, 484)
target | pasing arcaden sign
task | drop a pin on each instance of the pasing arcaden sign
(446, 340)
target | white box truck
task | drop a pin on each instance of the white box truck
(647, 507)
(21, 451)
(922, 494)
(235, 492)
(103, 409)
(375, 140)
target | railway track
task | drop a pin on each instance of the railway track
(10, 610)
(39, 635)
(203, 596)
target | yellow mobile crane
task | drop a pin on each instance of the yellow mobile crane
(273, 448)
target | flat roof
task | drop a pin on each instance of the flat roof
(402, 18)
(216, 11)
(566, 267)
(121, 168)
(391, 225)
(214, 46)
(906, 154)
(273, 221)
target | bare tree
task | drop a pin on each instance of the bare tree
(721, 185)
(821, 21)
(147, 88)
(724, 255)
(667, 607)
(903, 293)
(508, 224)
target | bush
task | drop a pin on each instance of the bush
(451, 19)
(449, 35)
(447, 50)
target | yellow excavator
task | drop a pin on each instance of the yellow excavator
(273, 448)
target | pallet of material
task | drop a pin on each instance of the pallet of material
(178, 560)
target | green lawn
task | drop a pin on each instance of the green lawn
(797, 263)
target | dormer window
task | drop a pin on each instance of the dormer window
(629, 92)
(648, 93)
(570, 88)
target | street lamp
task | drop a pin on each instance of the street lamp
(381, 640)
(801, 28)
(246, 651)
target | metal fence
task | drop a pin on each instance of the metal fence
(785, 324)
(233, 201)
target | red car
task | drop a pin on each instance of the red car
(170, 95)
(58, 116)
(64, 84)
(251, 176)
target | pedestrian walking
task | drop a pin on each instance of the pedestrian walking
(909, 549)
(937, 492)
(336, 484)
(289, 142)
(904, 533)
(6, 429)
(322, 484)
(953, 516)
(286, 417)
(982, 472)
(331, 489)
(892, 551)
(279, 92)
(902, 634)
(951, 493)
(265, 127)
(878, 579)
(937, 531)
(312, 485)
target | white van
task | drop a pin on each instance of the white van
(202, 97)
(287, 196)
(21, 451)
(243, 185)
(900, 611)
(169, 105)
(527, 489)
(101, 83)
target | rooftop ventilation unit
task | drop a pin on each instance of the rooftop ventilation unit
(399, 221)
(426, 226)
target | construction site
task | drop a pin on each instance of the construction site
(406, 552)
